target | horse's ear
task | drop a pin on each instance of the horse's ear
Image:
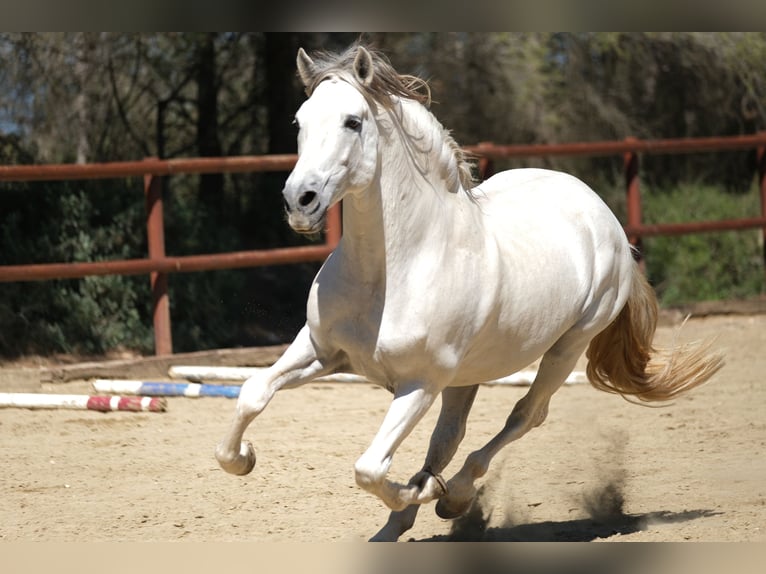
(306, 68)
(363, 67)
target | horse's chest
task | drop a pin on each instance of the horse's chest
(392, 327)
(378, 341)
(345, 319)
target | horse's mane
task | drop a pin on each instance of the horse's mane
(386, 82)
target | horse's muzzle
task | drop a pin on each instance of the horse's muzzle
(305, 210)
(307, 223)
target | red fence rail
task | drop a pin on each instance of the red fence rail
(630, 148)
(158, 264)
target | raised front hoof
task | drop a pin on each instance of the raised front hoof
(241, 464)
(451, 509)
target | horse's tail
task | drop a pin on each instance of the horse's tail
(622, 360)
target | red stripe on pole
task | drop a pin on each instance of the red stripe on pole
(100, 404)
(135, 404)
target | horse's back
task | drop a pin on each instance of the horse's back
(553, 192)
(551, 210)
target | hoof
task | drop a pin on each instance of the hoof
(449, 510)
(248, 458)
(243, 463)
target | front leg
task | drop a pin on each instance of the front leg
(411, 401)
(447, 434)
(298, 365)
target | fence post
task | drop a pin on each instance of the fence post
(486, 166)
(630, 164)
(761, 155)
(163, 343)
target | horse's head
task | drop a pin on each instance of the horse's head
(337, 142)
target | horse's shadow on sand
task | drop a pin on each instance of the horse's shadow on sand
(471, 529)
(606, 518)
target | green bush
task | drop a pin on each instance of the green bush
(72, 222)
(706, 266)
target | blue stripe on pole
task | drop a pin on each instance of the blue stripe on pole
(187, 389)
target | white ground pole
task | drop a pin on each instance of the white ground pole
(81, 402)
(209, 373)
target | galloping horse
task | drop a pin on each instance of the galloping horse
(437, 286)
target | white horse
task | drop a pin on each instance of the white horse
(436, 287)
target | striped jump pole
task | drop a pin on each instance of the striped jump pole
(82, 402)
(200, 373)
(160, 389)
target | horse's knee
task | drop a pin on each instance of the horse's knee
(368, 473)
(252, 400)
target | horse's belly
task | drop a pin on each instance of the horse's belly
(499, 357)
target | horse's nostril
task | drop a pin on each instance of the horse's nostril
(307, 198)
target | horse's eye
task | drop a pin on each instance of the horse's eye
(296, 124)
(353, 123)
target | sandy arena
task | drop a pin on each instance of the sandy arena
(598, 469)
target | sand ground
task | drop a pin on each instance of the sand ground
(598, 469)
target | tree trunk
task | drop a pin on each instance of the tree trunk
(208, 138)
(282, 97)
(81, 73)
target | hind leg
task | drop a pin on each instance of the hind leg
(447, 434)
(528, 413)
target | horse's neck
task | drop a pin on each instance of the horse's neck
(407, 213)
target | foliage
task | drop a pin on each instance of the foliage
(709, 266)
(70, 223)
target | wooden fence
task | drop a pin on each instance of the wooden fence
(158, 264)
